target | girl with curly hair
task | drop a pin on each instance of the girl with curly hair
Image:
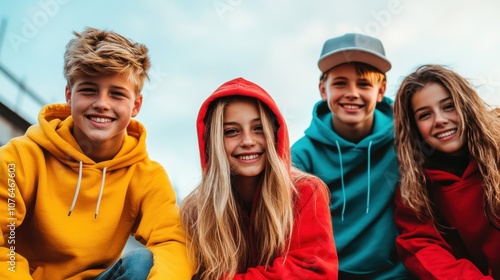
(448, 204)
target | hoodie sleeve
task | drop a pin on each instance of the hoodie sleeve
(312, 253)
(14, 190)
(423, 250)
(160, 229)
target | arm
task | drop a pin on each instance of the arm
(12, 213)
(312, 253)
(423, 250)
(160, 229)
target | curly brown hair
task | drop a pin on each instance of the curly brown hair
(478, 124)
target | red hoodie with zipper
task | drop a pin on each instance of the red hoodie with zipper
(469, 246)
(312, 253)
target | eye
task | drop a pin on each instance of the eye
(259, 129)
(338, 83)
(87, 91)
(422, 116)
(364, 84)
(118, 94)
(449, 107)
(230, 131)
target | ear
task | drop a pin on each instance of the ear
(68, 96)
(322, 91)
(137, 105)
(381, 91)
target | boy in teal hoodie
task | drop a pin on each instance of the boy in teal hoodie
(350, 146)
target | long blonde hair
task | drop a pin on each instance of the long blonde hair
(212, 217)
(477, 124)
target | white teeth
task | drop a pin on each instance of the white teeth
(101, 120)
(248, 157)
(351, 107)
(445, 134)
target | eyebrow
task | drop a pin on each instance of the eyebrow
(360, 78)
(95, 84)
(235, 123)
(440, 102)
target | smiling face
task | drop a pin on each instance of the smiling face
(101, 108)
(244, 140)
(437, 119)
(352, 98)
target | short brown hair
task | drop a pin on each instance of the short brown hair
(365, 70)
(99, 52)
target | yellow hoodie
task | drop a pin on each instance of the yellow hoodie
(64, 216)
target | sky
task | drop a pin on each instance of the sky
(197, 46)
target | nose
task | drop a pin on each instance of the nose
(247, 139)
(440, 119)
(101, 102)
(352, 91)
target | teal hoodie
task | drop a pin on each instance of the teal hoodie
(362, 178)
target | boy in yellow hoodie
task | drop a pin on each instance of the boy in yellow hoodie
(79, 183)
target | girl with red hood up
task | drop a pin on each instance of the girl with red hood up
(253, 216)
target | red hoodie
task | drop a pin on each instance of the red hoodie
(312, 253)
(470, 250)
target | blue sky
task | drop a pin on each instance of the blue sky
(196, 46)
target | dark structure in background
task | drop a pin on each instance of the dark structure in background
(11, 123)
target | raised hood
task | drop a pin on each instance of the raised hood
(242, 87)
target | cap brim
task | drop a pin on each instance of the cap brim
(330, 60)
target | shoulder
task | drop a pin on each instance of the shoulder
(149, 173)
(309, 186)
(306, 146)
(302, 143)
(21, 145)
(150, 165)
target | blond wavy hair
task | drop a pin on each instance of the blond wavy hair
(97, 52)
(212, 216)
(477, 125)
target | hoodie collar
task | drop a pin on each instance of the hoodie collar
(321, 129)
(54, 135)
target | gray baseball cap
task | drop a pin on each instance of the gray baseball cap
(353, 47)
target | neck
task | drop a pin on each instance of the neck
(352, 133)
(102, 151)
(454, 164)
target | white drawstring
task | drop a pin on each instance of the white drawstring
(77, 191)
(100, 193)
(369, 178)
(341, 180)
